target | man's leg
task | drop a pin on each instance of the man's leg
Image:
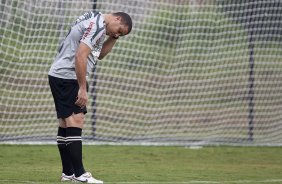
(63, 149)
(74, 125)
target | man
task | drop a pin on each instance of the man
(77, 55)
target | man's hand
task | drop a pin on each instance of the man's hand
(81, 98)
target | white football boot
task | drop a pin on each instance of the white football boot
(86, 178)
(65, 177)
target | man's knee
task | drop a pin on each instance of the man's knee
(75, 120)
(62, 123)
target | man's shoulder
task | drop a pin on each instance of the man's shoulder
(99, 18)
(96, 18)
(95, 13)
(88, 16)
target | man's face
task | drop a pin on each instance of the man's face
(116, 28)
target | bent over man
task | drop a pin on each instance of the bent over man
(82, 47)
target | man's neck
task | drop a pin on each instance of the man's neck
(106, 18)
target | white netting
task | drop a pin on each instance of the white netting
(190, 72)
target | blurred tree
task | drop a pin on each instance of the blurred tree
(263, 17)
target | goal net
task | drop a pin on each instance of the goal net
(191, 72)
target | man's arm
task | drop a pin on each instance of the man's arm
(80, 70)
(107, 47)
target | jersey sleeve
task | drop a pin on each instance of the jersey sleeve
(92, 34)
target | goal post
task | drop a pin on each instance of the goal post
(191, 72)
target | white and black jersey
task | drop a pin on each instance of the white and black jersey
(89, 29)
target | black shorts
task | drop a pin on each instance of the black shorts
(64, 92)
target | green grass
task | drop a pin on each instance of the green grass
(142, 164)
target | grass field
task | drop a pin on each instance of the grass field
(144, 164)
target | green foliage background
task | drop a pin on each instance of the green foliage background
(180, 73)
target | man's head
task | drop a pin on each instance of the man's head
(118, 24)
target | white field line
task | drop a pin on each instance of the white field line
(202, 182)
(154, 182)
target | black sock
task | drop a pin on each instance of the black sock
(64, 152)
(74, 142)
